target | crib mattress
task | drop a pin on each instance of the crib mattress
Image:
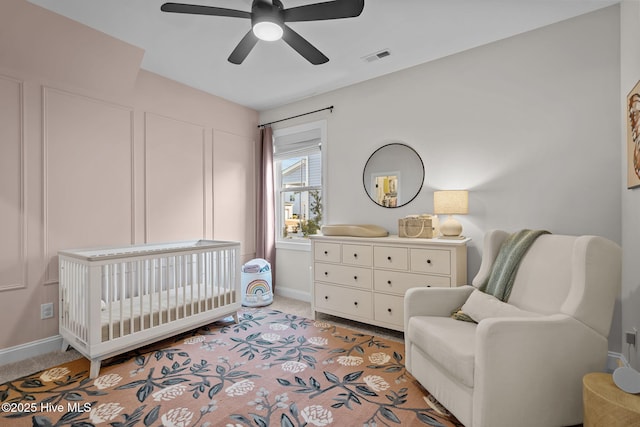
(131, 315)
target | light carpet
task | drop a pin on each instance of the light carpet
(269, 369)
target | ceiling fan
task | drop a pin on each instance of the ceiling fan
(268, 22)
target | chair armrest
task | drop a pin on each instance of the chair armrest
(519, 358)
(434, 301)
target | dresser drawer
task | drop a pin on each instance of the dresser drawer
(390, 257)
(351, 302)
(357, 255)
(434, 261)
(343, 275)
(389, 309)
(398, 283)
(329, 252)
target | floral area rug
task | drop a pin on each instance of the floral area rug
(269, 369)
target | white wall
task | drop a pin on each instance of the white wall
(530, 125)
(630, 66)
(295, 279)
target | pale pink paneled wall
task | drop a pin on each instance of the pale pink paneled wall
(87, 147)
(176, 173)
(232, 153)
(95, 151)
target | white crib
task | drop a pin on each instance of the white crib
(115, 299)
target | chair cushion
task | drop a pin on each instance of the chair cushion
(480, 306)
(448, 342)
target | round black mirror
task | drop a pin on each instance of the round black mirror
(393, 175)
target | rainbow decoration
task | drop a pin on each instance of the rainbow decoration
(258, 287)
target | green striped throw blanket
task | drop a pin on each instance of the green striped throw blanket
(505, 266)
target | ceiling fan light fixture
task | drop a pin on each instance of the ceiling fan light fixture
(268, 31)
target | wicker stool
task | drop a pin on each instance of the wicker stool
(605, 405)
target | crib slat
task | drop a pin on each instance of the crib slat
(173, 302)
(219, 275)
(108, 274)
(203, 298)
(229, 278)
(192, 280)
(215, 300)
(132, 294)
(222, 277)
(153, 272)
(121, 298)
(201, 281)
(139, 267)
(163, 286)
(195, 280)
(183, 285)
(159, 293)
(215, 260)
(167, 287)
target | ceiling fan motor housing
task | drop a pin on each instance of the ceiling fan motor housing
(264, 11)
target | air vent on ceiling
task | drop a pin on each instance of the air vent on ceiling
(377, 55)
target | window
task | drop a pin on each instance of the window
(298, 168)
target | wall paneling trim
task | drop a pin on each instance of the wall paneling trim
(13, 227)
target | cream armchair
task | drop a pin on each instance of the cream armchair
(522, 364)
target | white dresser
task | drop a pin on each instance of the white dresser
(364, 279)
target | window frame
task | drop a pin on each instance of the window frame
(302, 244)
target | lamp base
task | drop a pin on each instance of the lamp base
(451, 229)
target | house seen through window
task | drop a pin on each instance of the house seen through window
(298, 173)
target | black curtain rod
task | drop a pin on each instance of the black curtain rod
(295, 117)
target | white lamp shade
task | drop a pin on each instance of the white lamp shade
(451, 202)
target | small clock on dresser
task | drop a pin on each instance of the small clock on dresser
(365, 279)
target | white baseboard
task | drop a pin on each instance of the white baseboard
(30, 349)
(615, 360)
(293, 293)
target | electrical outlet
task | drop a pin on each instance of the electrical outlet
(46, 311)
(630, 337)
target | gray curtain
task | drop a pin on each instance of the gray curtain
(266, 244)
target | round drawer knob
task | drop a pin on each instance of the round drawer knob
(388, 258)
(355, 255)
(326, 297)
(355, 303)
(389, 310)
(355, 277)
(389, 282)
(326, 252)
(428, 261)
(326, 273)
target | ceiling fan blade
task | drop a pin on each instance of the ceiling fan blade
(244, 47)
(336, 9)
(303, 47)
(195, 9)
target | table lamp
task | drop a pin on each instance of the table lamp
(451, 202)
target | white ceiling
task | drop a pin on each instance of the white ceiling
(193, 49)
